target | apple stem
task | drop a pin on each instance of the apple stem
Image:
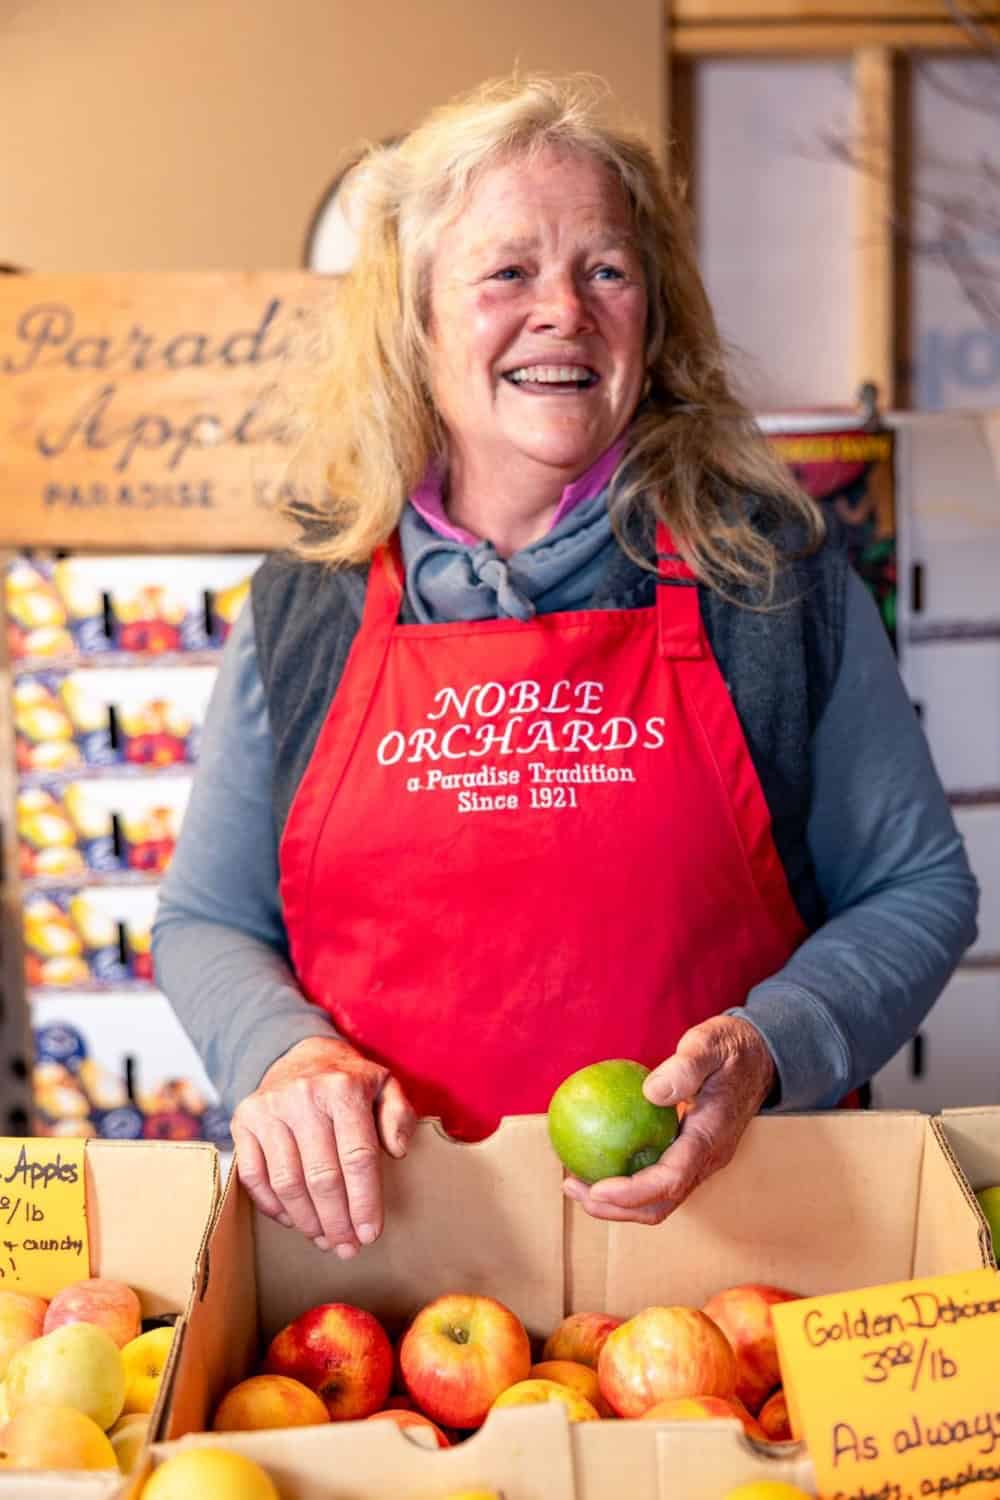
(460, 1335)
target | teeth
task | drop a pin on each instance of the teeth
(551, 374)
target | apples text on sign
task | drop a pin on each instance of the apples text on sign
(894, 1388)
(44, 1244)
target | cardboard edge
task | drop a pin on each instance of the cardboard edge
(939, 1124)
(695, 1463)
(936, 1130)
(164, 1396)
(539, 1435)
(63, 1484)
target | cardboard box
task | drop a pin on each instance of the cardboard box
(816, 1203)
(972, 1137)
(149, 1210)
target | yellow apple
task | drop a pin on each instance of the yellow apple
(78, 1365)
(209, 1474)
(268, 1401)
(533, 1392)
(128, 1438)
(4, 1413)
(54, 1437)
(144, 1359)
(578, 1377)
(21, 1320)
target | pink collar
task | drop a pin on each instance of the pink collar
(428, 497)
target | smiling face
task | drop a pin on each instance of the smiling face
(537, 320)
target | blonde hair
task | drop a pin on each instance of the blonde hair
(694, 452)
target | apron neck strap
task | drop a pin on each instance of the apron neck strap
(677, 611)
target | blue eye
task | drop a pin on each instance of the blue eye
(508, 273)
(610, 272)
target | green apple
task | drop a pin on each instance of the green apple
(989, 1202)
(78, 1365)
(602, 1125)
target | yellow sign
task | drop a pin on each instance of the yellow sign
(43, 1215)
(896, 1389)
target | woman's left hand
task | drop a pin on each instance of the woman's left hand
(724, 1071)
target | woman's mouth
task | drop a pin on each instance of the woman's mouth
(552, 379)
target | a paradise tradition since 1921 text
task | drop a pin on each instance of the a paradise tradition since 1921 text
(22, 1210)
(911, 1349)
(515, 719)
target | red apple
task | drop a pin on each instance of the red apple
(692, 1408)
(340, 1352)
(410, 1419)
(108, 1304)
(744, 1315)
(773, 1418)
(665, 1351)
(459, 1353)
(580, 1338)
(22, 1317)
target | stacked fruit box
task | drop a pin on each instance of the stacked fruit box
(149, 1208)
(113, 659)
(813, 1204)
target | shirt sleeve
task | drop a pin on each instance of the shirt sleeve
(900, 897)
(220, 949)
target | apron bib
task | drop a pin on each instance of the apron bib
(523, 847)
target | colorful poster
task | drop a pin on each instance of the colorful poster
(848, 468)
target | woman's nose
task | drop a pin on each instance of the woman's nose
(561, 306)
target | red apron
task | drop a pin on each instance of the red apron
(522, 847)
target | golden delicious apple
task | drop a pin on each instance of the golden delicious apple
(209, 1474)
(78, 1365)
(144, 1359)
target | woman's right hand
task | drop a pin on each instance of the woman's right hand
(308, 1140)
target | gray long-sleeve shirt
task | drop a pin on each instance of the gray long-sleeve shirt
(900, 898)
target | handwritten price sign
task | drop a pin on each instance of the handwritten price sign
(896, 1389)
(43, 1215)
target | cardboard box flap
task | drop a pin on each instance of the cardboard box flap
(523, 1452)
(130, 1240)
(951, 1233)
(616, 1459)
(689, 1466)
(668, 1460)
(218, 1343)
(485, 1217)
(973, 1136)
(790, 1173)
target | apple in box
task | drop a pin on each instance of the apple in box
(744, 1315)
(696, 1408)
(420, 1429)
(459, 1353)
(580, 1338)
(661, 1352)
(106, 1304)
(55, 1437)
(21, 1319)
(340, 1352)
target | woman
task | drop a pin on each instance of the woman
(555, 740)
